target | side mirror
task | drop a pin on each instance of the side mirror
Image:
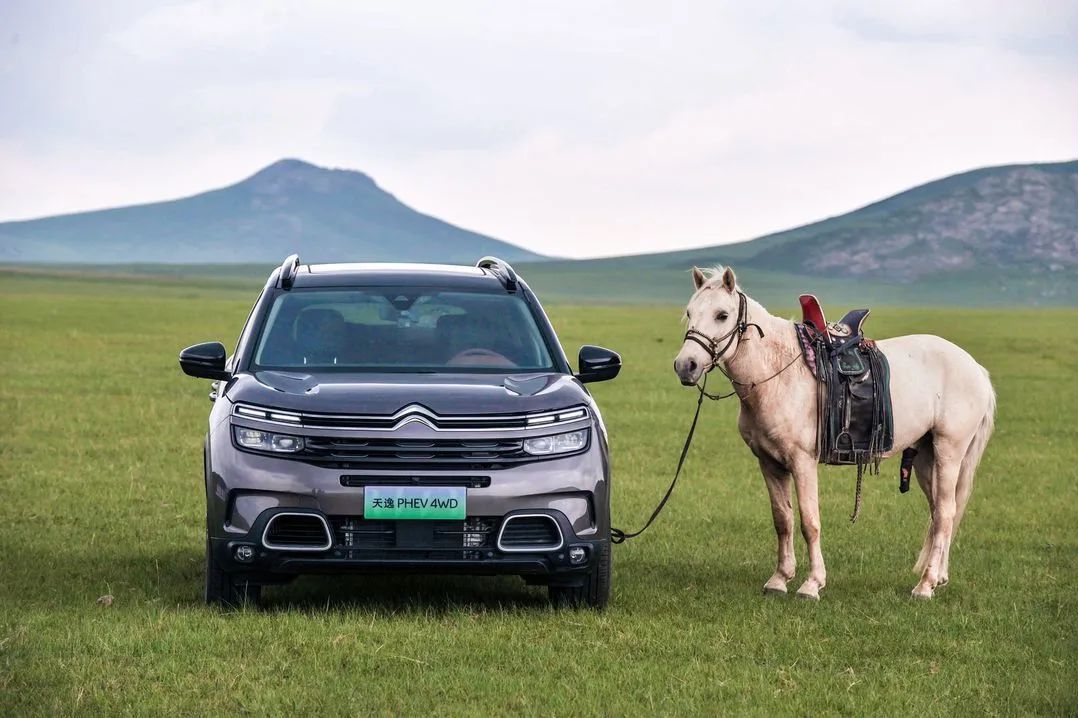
(205, 361)
(597, 364)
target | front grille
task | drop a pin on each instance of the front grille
(538, 532)
(486, 449)
(365, 533)
(394, 453)
(296, 532)
(360, 538)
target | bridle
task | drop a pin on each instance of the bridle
(711, 344)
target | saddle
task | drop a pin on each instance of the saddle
(854, 423)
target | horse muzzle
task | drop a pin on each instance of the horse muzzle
(688, 369)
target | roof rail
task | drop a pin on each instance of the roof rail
(501, 269)
(289, 268)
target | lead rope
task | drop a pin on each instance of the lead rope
(620, 535)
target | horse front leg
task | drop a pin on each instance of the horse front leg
(808, 505)
(778, 483)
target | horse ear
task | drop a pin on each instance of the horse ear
(698, 277)
(729, 281)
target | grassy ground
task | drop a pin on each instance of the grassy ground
(645, 280)
(100, 493)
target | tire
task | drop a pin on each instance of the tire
(225, 591)
(222, 589)
(594, 592)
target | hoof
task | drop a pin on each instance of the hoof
(776, 585)
(810, 589)
(921, 595)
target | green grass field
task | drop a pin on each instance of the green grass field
(100, 493)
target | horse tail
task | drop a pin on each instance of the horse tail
(974, 453)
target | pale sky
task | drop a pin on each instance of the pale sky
(571, 128)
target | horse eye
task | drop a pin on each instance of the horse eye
(722, 316)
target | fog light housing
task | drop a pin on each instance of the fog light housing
(577, 554)
(244, 554)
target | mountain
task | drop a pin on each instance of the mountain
(1016, 217)
(290, 206)
(997, 236)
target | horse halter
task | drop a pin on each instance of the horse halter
(711, 344)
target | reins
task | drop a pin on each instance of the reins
(617, 535)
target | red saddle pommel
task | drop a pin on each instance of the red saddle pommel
(812, 314)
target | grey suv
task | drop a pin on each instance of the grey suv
(417, 418)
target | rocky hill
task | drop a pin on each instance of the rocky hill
(1019, 216)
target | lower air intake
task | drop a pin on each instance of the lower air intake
(297, 532)
(530, 532)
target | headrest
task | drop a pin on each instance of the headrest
(451, 323)
(319, 327)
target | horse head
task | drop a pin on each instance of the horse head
(712, 317)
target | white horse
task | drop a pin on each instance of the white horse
(943, 405)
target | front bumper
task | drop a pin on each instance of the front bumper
(409, 553)
(244, 490)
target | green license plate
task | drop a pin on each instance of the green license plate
(415, 502)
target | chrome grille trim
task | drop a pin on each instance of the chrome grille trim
(293, 547)
(413, 413)
(529, 549)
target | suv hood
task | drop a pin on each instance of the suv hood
(445, 394)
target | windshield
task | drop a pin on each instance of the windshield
(403, 329)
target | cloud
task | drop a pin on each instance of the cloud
(577, 129)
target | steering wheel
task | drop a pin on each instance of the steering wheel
(480, 357)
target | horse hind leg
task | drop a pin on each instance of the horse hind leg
(923, 469)
(947, 466)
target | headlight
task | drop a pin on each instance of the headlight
(266, 441)
(557, 444)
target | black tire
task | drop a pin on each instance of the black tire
(223, 590)
(594, 592)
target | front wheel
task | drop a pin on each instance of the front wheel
(223, 590)
(594, 592)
